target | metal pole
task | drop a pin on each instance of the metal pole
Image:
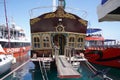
(5, 10)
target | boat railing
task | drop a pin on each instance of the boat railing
(56, 51)
(69, 52)
(100, 47)
(35, 12)
(12, 37)
(98, 35)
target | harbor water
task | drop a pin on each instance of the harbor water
(29, 72)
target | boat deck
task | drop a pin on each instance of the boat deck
(65, 69)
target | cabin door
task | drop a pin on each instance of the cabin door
(59, 40)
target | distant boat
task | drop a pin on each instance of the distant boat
(101, 51)
(5, 61)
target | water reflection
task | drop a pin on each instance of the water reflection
(30, 72)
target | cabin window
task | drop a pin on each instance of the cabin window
(72, 41)
(36, 42)
(79, 42)
(80, 39)
(0, 60)
(46, 41)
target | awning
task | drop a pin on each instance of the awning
(92, 30)
(107, 40)
(109, 10)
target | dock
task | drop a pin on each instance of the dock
(65, 69)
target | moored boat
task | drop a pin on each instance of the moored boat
(58, 37)
(58, 28)
(100, 50)
(12, 38)
(5, 61)
(17, 43)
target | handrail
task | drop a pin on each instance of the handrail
(41, 70)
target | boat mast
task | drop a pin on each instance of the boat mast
(54, 5)
(5, 10)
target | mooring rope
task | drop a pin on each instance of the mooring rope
(92, 68)
(89, 65)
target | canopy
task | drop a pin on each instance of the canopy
(92, 30)
(109, 10)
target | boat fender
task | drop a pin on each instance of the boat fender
(14, 60)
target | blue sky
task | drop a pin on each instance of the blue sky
(19, 10)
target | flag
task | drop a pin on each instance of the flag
(104, 1)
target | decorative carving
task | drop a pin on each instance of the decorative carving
(59, 28)
(83, 22)
(60, 13)
(50, 15)
(33, 21)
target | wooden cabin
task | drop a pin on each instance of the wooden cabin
(58, 28)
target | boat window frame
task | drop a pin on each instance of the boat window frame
(46, 43)
(71, 43)
(80, 41)
(0, 60)
(37, 43)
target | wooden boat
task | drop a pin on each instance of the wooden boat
(58, 28)
(58, 36)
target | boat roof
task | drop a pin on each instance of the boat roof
(52, 20)
(93, 30)
(109, 10)
(106, 40)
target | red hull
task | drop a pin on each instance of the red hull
(17, 52)
(108, 57)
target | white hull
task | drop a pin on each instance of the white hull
(5, 64)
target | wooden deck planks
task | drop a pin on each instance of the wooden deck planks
(65, 69)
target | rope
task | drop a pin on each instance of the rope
(90, 67)
(94, 69)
